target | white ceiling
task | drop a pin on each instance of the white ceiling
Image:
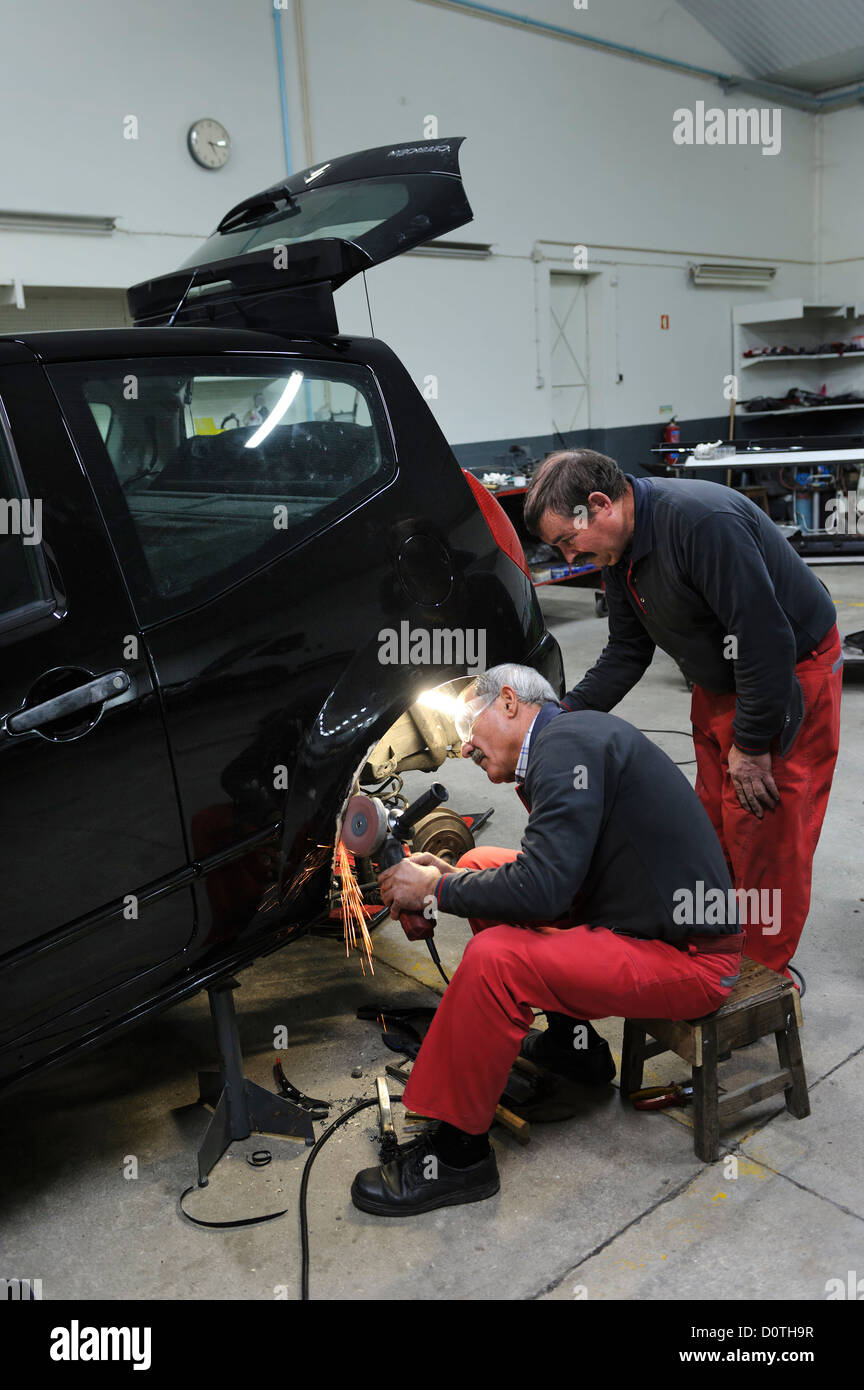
(813, 45)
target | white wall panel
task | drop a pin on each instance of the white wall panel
(564, 144)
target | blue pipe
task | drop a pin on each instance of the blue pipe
(543, 26)
(286, 135)
(600, 43)
(283, 93)
(853, 94)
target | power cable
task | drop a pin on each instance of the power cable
(437, 959)
(304, 1187)
(680, 733)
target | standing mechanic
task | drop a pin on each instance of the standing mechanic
(702, 572)
(582, 922)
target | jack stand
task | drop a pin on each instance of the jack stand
(239, 1105)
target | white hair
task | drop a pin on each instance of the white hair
(531, 688)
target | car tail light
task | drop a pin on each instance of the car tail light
(502, 528)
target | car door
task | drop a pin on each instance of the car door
(280, 509)
(216, 474)
(95, 874)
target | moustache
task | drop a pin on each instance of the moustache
(477, 756)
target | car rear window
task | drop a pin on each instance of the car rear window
(207, 469)
(348, 211)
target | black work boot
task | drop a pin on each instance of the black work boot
(418, 1180)
(554, 1050)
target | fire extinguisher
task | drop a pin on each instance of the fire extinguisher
(672, 435)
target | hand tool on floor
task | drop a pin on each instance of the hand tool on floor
(519, 1128)
(663, 1097)
(401, 1036)
(475, 820)
(398, 1073)
(388, 1138)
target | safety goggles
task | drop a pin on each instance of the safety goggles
(468, 712)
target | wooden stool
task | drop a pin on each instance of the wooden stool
(762, 1002)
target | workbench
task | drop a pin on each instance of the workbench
(816, 545)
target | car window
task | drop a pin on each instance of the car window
(207, 469)
(348, 211)
(102, 416)
(24, 588)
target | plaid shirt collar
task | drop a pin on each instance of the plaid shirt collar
(522, 763)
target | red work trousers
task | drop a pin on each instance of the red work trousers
(774, 855)
(586, 972)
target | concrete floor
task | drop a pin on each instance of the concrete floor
(611, 1204)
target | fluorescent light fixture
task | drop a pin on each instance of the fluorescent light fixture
(463, 250)
(13, 221)
(724, 273)
(284, 403)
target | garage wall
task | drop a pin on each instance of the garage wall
(50, 307)
(840, 180)
(565, 145)
(574, 146)
(78, 71)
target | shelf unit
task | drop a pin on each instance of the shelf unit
(795, 323)
(798, 410)
(803, 357)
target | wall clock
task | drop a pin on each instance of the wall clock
(209, 143)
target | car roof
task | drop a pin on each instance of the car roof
(74, 344)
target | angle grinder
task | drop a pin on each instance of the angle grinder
(374, 832)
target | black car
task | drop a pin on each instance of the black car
(215, 524)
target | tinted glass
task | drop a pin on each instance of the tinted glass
(381, 216)
(207, 469)
(348, 211)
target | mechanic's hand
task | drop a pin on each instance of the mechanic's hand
(751, 777)
(441, 864)
(405, 887)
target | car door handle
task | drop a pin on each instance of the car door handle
(95, 692)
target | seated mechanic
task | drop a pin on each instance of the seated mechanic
(588, 919)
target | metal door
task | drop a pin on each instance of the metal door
(570, 354)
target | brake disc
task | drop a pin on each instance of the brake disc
(444, 833)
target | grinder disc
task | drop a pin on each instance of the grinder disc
(364, 828)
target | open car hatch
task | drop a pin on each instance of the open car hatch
(276, 258)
